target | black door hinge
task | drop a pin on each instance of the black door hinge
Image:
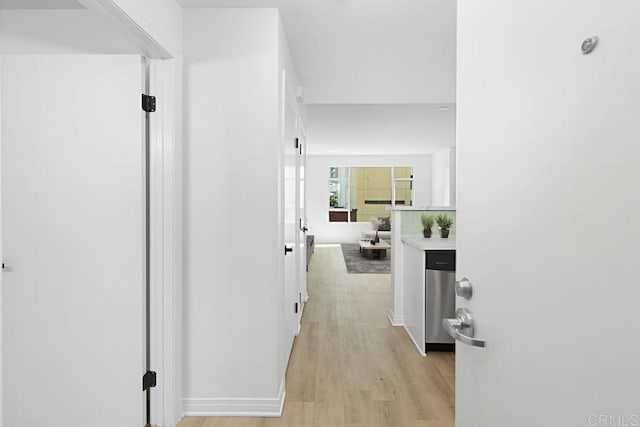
(148, 380)
(295, 307)
(148, 103)
(297, 142)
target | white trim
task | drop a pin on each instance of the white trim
(420, 349)
(156, 219)
(166, 235)
(395, 320)
(170, 105)
(1, 274)
(136, 35)
(229, 407)
(300, 319)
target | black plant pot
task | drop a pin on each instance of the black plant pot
(426, 233)
(444, 233)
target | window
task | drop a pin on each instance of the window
(358, 194)
(338, 188)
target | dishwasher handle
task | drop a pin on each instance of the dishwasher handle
(462, 328)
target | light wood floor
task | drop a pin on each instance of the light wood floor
(349, 366)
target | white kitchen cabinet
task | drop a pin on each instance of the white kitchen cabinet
(414, 275)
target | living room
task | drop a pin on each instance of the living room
(403, 142)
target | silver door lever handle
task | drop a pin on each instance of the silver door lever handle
(462, 328)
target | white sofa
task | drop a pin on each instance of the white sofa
(384, 235)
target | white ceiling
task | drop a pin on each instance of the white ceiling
(367, 51)
(40, 4)
(379, 129)
(350, 55)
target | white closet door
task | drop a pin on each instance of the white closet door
(302, 215)
(73, 240)
(292, 296)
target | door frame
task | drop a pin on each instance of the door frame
(166, 237)
(1, 275)
(166, 218)
(302, 160)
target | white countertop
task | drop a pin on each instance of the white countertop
(435, 242)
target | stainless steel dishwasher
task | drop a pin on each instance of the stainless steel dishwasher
(440, 298)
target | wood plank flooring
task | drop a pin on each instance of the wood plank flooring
(349, 367)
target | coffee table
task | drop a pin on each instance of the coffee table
(379, 250)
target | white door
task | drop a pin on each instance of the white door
(548, 212)
(72, 240)
(302, 218)
(292, 303)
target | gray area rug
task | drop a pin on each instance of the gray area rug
(357, 264)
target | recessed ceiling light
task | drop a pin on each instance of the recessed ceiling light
(442, 107)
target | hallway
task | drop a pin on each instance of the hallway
(349, 366)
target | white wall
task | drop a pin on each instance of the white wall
(368, 52)
(444, 178)
(318, 192)
(59, 31)
(409, 57)
(389, 129)
(233, 251)
(159, 20)
(453, 177)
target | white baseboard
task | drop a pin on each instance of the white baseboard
(395, 320)
(224, 407)
(419, 347)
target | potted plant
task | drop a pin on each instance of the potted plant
(445, 223)
(427, 223)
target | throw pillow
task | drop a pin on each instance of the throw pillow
(386, 224)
